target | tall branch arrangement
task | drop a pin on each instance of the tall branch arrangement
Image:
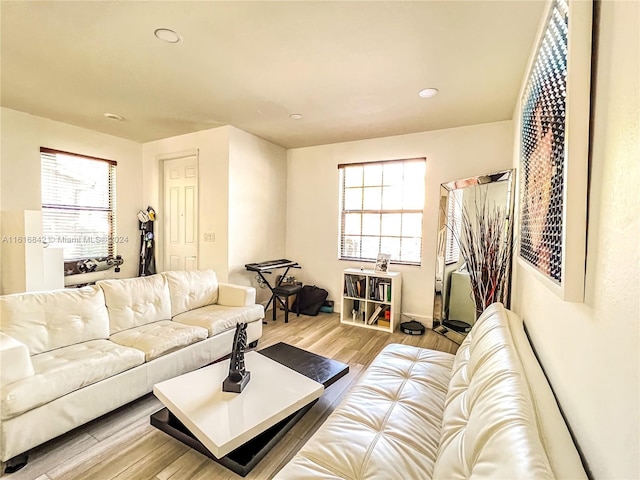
(485, 245)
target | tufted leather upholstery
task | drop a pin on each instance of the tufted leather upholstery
(48, 320)
(159, 338)
(218, 318)
(420, 414)
(190, 290)
(59, 372)
(489, 424)
(388, 426)
(132, 302)
(73, 355)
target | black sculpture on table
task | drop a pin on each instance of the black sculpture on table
(238, 375)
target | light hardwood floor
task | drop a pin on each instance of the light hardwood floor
(123, 445)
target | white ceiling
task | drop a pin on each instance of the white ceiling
(353, 69)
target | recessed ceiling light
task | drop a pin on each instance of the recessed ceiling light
(428, 92)
(113, 116)
(296, 116)
(167, 35)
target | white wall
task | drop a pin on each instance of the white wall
(213, 192)
(312, 199)
(257, 205)
(22, 135)
(591, 350)
(242, 192)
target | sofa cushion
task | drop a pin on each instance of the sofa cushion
(132, 302)
(159, 338)
(192, 289)
(218, 318)
(490, 423)
(388, 425)
(62, 371)
(50, 320)
(15, 361)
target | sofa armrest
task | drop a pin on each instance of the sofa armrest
(14, 359)
(236, 295)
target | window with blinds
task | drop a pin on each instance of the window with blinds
(381, 207)
(454, 223)
(78, 204)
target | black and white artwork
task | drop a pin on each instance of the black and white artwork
(554, 150)
(543, 150)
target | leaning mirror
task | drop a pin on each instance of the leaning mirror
(475, 235)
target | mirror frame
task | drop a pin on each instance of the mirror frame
(440, 267)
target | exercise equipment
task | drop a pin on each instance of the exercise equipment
(146, 220)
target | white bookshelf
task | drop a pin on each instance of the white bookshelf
(364, 291)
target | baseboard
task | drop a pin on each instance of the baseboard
(427, 321)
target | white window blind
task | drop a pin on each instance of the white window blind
(381, 207)
(78, 204)
(454, 223)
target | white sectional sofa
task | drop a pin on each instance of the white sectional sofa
(69, 356)
(488, 412)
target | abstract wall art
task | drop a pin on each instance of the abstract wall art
(554, 128)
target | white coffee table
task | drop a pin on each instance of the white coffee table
(224, 421)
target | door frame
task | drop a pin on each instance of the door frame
(159, 237)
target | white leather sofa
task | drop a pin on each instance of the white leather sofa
(69, 356)
(415, 413)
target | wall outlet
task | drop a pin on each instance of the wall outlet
(209, 237)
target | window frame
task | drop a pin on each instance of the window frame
(381, 211)
(110, 210)
(454, 226)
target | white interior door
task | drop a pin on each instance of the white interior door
(181, 213)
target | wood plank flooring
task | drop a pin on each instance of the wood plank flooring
(123, 445)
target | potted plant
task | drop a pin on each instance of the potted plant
(485, 245)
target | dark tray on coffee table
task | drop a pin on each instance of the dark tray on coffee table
(321, 369)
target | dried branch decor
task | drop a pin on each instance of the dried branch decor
(485, 245)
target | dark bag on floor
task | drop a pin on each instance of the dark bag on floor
(310, 299)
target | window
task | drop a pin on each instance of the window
(78, 204)
(381, 210)
(454, 223)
